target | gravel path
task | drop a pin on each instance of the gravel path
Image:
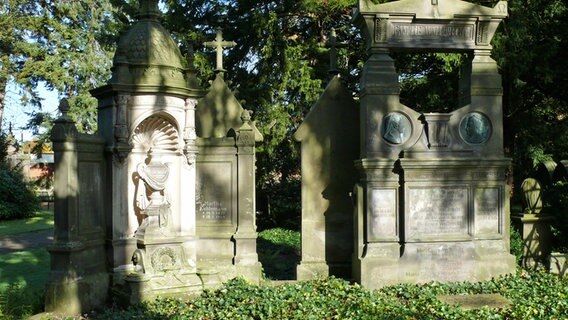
(24, 241)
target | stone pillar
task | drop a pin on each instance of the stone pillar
(246, 258)
(377, 196)
(78, 280)
(536, 236)
(376, 222)
(379, 96)
(119, 225)
(533, 226)
(188, 184)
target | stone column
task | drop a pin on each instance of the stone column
(246, 258)
(188, 184)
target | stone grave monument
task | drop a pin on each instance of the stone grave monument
(161, 200)
(146, 116)
(432, 202)
(225, 196)
(328, 137)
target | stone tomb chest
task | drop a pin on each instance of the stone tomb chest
(432, 202)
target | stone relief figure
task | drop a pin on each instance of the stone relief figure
(396, 128)
(475, 128)
(156, 209)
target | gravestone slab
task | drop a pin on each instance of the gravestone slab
(328, 137)
(225, 194)
(476, 301)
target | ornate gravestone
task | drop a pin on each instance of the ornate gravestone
(146, 116)
(225, 192)
(432, 202)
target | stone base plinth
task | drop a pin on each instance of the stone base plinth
(141, 287)
(442, 262)
(536, 236)
(72, 296)
(213, 276)
(559, 263)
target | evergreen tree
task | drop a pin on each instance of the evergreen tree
(66, 44)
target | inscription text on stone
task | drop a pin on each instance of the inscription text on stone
(437, 211)
(432, 31)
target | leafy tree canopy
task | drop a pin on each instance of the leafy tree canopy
(280, 66)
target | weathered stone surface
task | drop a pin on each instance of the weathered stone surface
(225, 195)
(328, 136)
(536, 235)
(476, 301)
(559, 263)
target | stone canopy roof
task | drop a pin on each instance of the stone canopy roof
(147, 59)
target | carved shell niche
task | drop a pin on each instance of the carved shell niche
(155, 132)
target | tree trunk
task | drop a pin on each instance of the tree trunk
(2, 98)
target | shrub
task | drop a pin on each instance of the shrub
(535, 295)
(557, 203)
(17, 199)
(516, 245)
(17, 303)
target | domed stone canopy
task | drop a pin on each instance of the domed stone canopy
(148, 60)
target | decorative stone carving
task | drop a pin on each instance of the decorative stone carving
(532, 196)
(156, 132)
(153, 178)
(164, 259)
(138, 261)
(475, 128)
(437, 129)
(396, 128)
(189, 135)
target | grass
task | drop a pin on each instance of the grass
(279, 253)
(29, 268)
(23, 274)
(43, 220)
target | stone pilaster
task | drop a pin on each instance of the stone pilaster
(246, 258)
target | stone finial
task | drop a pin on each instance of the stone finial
(64, 108)
(532, 192)
(333, 44)
(219, 44)
(246, 116)
(148, 9)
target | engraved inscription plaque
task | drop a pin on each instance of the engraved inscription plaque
(486, 208)
(382, 214)
(417, 31)
(89, 199)
(437, 211)
(213, 195)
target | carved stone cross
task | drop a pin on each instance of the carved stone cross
(219, 44)
(333, 44)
